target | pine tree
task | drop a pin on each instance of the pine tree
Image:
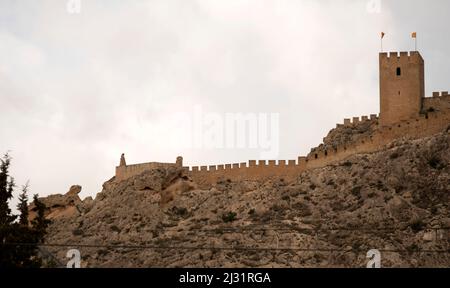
(39, 223)
(18, 241)
(6, 219)
(23, 206)
(6, 190)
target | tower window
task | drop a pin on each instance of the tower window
(399, 71)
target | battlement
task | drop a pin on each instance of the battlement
(440, 94)
(236, 166)
(411, 56)
(404, 113)
(357, 120)
(420, 126)
(440, 101)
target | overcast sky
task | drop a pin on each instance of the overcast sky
(79, 89)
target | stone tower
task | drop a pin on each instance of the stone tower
(122, 160)
(402, 86)
(179, 162)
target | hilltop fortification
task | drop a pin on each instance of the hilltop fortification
(370, 185)
(405, 112)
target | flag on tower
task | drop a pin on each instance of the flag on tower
(381, 40)
(414, 36)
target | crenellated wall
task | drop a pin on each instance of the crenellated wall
(422, 126)
(253, 170)
(440, 102)
(425, 124)
(357, 120)
(404, 112)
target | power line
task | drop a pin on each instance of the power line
(298, 229)
(48, 254)
(237, 248)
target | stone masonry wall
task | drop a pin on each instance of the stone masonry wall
(127, 171)
(439, 102)
(422, 126)
(402, 86)
(430, 122)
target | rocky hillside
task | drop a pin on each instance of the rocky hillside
(396, 201)
(342, 134)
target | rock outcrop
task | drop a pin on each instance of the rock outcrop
(346, 134)
(68, 205)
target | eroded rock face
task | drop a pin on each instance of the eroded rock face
(348, 134)
(396, 200)
(74, 190)
(68, 205)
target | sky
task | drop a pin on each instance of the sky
(83, 81)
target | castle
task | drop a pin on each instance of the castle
(405, 112)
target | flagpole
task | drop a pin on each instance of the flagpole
(414, 35)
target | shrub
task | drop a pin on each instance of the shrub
(229, 217)
(115, 228)
(347, 164)
(180, 211)
(394, 155)
(356, 191)
(412, 248)
(77, 232)
(371, 194)
(417, 225)
(435, 163)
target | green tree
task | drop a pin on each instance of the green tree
(23, 206)
(6, 190)
(6, 219)
(18, 241)
(39, 223)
